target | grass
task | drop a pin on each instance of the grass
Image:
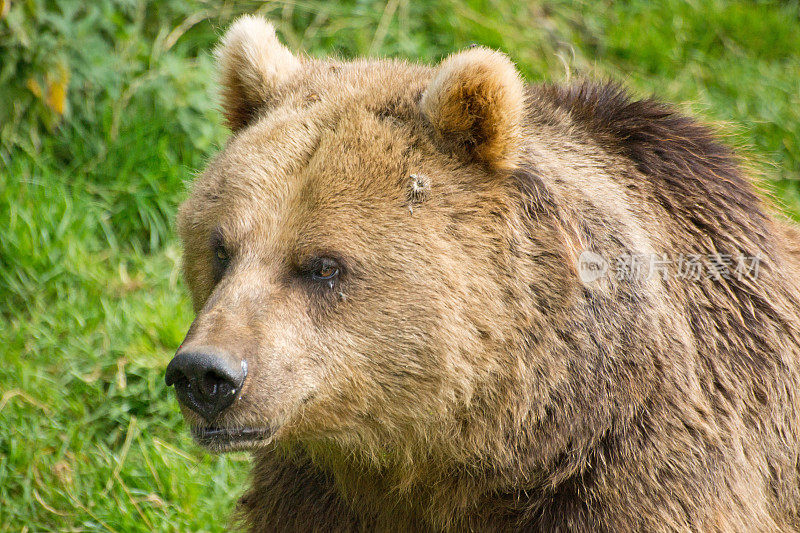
(110, 111)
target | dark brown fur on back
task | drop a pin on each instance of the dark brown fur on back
(692, 175)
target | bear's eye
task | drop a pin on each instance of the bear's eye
(325, 269)
(222, 256)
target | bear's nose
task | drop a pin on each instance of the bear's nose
(205, 381)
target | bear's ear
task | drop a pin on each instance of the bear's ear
(252, 65)
(476, 102)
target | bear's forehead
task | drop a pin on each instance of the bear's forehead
(373, 84)
(340, 152)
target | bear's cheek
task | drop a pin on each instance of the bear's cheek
(371, 361)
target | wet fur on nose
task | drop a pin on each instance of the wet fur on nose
(206, 381)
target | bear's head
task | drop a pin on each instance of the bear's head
(351, 251)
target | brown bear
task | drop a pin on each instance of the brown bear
(437, 298)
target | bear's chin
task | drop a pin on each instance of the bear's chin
(230, 439)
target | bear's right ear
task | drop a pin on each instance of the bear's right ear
(476, 103)
(252, 64)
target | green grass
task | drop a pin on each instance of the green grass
(91, 302)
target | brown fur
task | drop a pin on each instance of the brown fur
(459, 375)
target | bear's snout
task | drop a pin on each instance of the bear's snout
(206, 381)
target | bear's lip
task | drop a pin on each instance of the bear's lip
(222, 439)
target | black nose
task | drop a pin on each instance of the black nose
(205, 381)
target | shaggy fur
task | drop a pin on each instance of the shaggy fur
(458, 374)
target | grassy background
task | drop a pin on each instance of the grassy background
(108, 109)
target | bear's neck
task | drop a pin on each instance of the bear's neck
(429, 490)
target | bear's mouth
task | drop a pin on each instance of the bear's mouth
(221, 439)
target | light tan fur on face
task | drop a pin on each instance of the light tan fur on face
(459, 375)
